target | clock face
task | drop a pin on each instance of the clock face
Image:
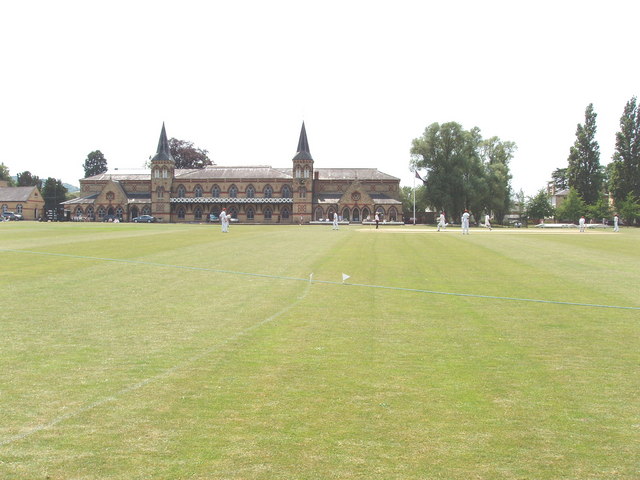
(355, 196)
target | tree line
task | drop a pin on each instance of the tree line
(460, 170)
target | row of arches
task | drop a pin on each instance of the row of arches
(249, 192)
(355, 214)
(101, 212)
(249, 213)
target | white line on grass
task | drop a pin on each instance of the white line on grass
(262, 275)
(155, 378)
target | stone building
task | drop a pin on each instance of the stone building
(26, 201)
(300, 193)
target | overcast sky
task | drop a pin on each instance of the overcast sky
(238, 78)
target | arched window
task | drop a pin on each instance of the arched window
(303, 192)
(355, 215)
(146, 211)
(156, 172)
(4, 208)
(197, 213)
(90, 212)
(393, 214)
(182, 192)
(250, 214)
(268, 191)
(165, 173)
(307, 171)
(345, 213)
(181, 213)
(298, 172)
(318, 214)
(160, 192)
(365, 214)
(250, 191)
(233, 211)
(101, 213)
(78, 212)
(233, 191)
(134, 212)
(19, 209)
(197, 191)
(119, 213)
(215, 191)
(268, 213)
(284, 213)
(286, 192)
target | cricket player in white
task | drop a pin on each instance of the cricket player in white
(224, 220)
(581, 223)
(442, 222)
(615, 223)
(335, 220)
(465, 223)
(487, 222)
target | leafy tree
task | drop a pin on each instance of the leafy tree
(600, 209)
(463, 171)
(572, 208)
(629, 209)
(539, 206)
(624, 170)
(406, 196)
(560, 179)
(584, 171)
(496, 155)
(53, 192)
(95, 164)
(186, 155)
(26, 179)
(5, 175)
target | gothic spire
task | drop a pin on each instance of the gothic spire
(163, 153)
(303, 146)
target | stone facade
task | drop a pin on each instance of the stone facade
(251, 194)
(27, 201)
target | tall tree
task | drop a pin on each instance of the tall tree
(496, 155)
(95, 164)
(624, 170)
(186, 155)
(26, 179)
(584, 171)
(455, 175)
(560, 179)
(629, 209)
(5, 175)
(53, 192)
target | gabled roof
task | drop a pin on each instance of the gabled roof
(16, 194)
(215, 172)
(352, 174)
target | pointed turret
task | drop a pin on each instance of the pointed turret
(163, 153)
(303, 152)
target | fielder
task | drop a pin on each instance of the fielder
(442, 222)
(615, 223)
(487, 222)
(581, 223)
(335, 220)
(224, 220)
(465, 222)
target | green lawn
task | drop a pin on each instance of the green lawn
(175, 351)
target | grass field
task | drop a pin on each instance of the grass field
(175, 351)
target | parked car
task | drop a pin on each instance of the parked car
(144, 219)
(11, 216)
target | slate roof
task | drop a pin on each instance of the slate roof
(303, 152)
(352, 174)
(15, 194)
(215, 172)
